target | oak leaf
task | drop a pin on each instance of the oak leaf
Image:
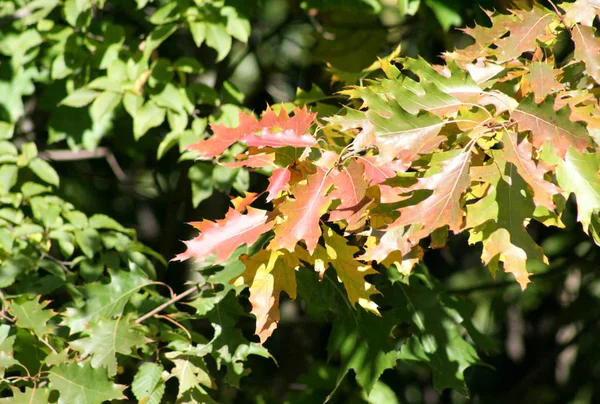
(579, 174)
(224, 236)
(546, 124)
(350, 271)
(542, 80)
(498, 220)
(521, 156)
(302, 214)
(442, 207)
(272, 130)
(351, 189)
(277, 182)
(587, 49)
(524, 32)
(268, 273)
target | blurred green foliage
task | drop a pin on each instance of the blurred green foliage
(98, 100)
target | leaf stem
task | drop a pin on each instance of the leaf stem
(163, 306)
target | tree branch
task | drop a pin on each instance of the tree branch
(101, 152)
(163, 306)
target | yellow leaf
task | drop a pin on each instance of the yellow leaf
(268, 273)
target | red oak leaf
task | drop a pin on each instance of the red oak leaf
(547, 124)
(520, 155)
(253, 161)
(350, 188)
(224, 236)
(277, 182)
(443, 206)
(272, 130)
(304, 212)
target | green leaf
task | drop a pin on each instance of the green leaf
(77, 219)
(44, 171)
(104, 104)
(148, 386)
(29, 396)
(80, 383)
(437, 342)
(200, 176)
(446, 15)
(12, 268)
(8, 177)
(30, 189)
(89, 241)
(578, 173)
(106, 300)
(6, 130)
(100, 221)
(106, 339)
(167, 144)
(146, 117)
(190, 371)
(80, 98)
(363, 340)
(31, 315)
(167, 13)
(219, 39)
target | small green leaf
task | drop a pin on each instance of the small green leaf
(104, 104)
(100, 221)
(77, 218)
(167, 143)
(167, 13)
(148, 385)
(8, 177)
(218, 39)
(200, 176)
(6, 130)
(80, 98)
(89, 241)
(148, 116)
(44, 171)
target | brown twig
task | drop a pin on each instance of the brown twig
(559, 14)
(163, 306)
(101, 152)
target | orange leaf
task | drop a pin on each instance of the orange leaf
(272, 130)
(520, 155)
(303, 213)
(277, 182)
(224, 236)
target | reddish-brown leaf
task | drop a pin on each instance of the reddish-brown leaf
(541, 80)
(350, 188)
(304, 212)
(523, 32)
(443, 206)
(272, 130)
(587, 49)
(224, 236)
(277, 182)
(546, 124)
(521, 156)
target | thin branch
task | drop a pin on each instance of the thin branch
(63, 264)
(559, 14)
(163, 306)
(101, 152)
